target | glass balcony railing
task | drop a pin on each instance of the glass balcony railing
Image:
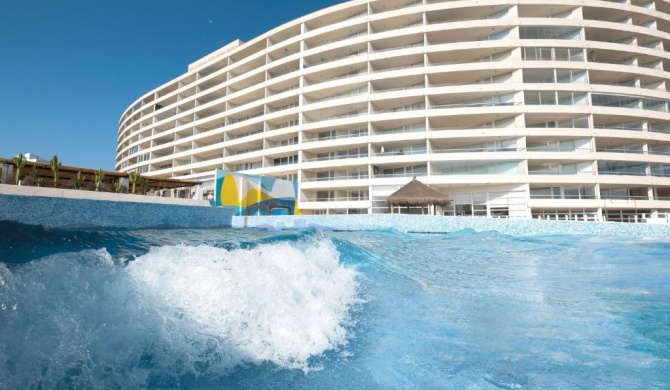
(337, 157)
(403, 129)
(402, 152)
(400, 174)
(623, 197)
(624, 173)
(339, 199)
(336, 177)
(250, 150)
(557, 149)
(559, 173)
(622, 150)
(620, 126)
(550, 196)
(332, 137)
(475, 150)
(477, 104)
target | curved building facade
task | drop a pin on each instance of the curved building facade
(521, 108)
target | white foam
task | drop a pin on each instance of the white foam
(7, 289)
(277, 303)
(72, 319)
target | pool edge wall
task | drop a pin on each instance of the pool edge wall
(443, 224)
(62, 212)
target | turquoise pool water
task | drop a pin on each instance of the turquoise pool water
(319, 310)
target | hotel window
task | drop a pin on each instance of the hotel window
(622, 168)
(660, 170)
(540, 97)
(406, 149)
(551, 97)
(538, 76)
(286, 142)
(286, 160)
(418, 170)
(553, 54)
(655, 105)
(566, 145)
(626, 148)
(325, 196)
(288, 124)
(574, 76)
(496, 36)
(579, 123)
(579, 193)
(249, 165)
(358, 195)
(325, 176)
(576, 123)
(615, 193)
(572, 98)
(551, 32)
(351, 153)
(357, 174)
(584, 168)
(616, 101)
(563, 193)
(477, 168)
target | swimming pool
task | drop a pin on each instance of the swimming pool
(227, 308)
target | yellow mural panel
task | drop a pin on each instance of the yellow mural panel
(255, 195)
(229, 194)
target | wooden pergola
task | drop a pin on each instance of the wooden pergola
(67, 173)
(417, 194)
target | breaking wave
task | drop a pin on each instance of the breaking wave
(173, 314)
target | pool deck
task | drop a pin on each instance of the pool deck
(440, 224)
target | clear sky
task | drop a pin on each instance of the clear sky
(69, 68)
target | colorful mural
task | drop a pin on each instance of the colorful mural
(255, 195)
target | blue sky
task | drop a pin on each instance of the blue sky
(70, 67)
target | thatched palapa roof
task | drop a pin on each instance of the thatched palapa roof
(415, 193)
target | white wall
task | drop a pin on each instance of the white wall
(92, 195)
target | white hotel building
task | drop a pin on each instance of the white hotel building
(519, 108)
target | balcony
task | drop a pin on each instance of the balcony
(476, 150)
(335, 157)
(337, 177)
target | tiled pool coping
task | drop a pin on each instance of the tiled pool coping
(440, 224)
(71, 213)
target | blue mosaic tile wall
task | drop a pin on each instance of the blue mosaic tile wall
(440, 224)
(81, 213)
